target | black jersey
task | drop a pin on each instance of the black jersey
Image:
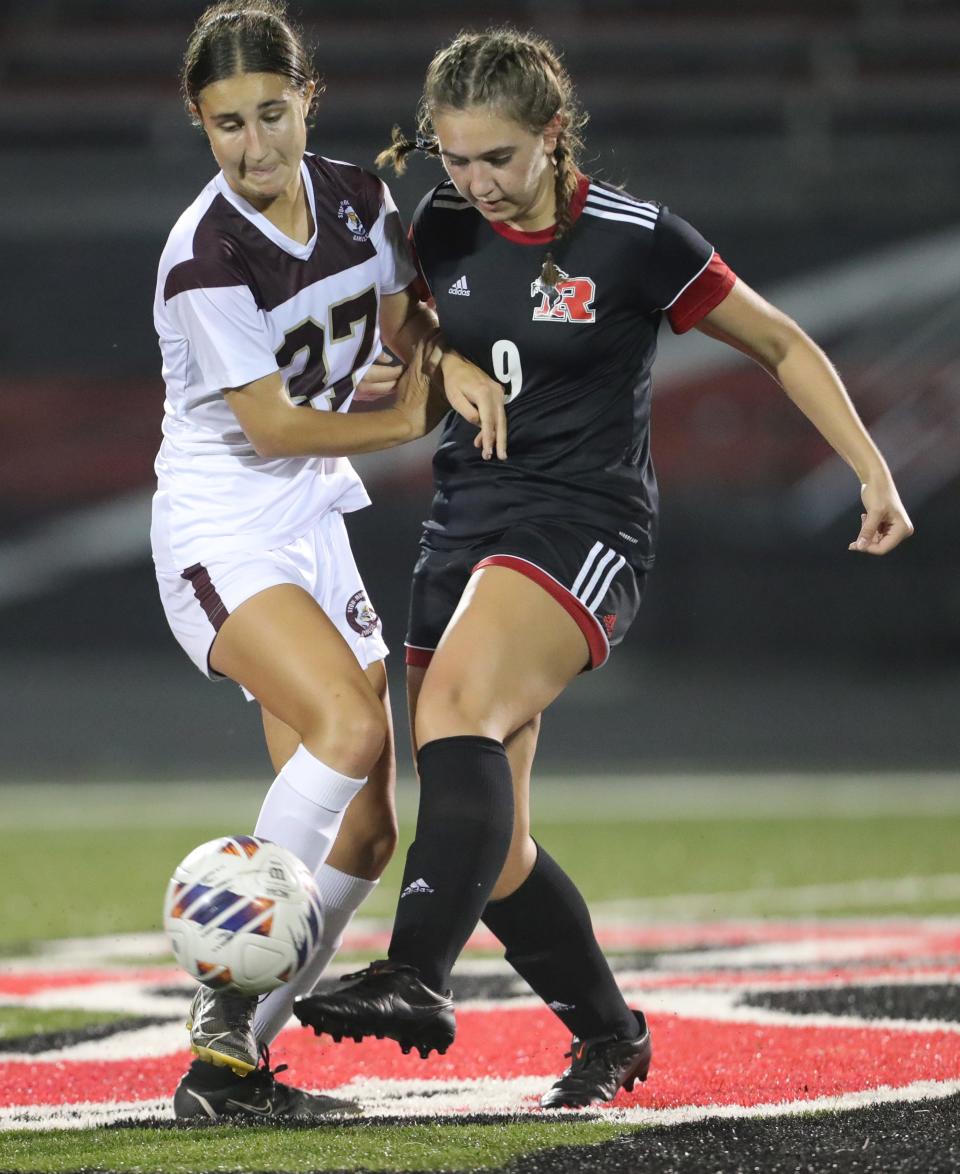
(574, 357)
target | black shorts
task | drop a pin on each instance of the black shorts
(593, 580)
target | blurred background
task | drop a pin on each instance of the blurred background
(815, 142)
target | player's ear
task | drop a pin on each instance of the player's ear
(551, 133)
(306, 95)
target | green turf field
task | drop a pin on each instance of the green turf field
(94, 861)
(393, 1148)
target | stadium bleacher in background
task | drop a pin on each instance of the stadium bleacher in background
(816, 143)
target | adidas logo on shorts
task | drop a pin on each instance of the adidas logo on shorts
(460, 287)
(417, 886)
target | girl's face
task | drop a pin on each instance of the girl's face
(256, 125)
(504, 170)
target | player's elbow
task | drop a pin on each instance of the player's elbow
(270, 440)
(784, 339)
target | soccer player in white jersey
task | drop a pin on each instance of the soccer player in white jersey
(532, 567)
(274, 290)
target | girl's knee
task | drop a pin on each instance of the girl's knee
(448, 705)
(349, 737)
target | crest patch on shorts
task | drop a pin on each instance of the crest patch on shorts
(360, 614)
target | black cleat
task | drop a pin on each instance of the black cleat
(206, 1093)
(600, 1068)
(221, 1029)
(387, 1000)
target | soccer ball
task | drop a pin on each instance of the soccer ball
(242, 914)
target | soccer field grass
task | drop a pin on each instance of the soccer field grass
(751, 917)
(94, 860)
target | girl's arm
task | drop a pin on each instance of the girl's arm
(278, 428)
(746, 322)
(471, 392)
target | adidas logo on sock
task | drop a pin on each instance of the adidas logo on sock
(460, 287)
(417, 886)
(556, 1005)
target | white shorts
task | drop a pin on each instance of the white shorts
(198, 600)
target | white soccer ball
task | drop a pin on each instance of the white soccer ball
(242, 914)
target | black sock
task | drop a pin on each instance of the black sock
(464, 827)
(546, 929)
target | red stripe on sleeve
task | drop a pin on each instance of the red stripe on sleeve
(703, 294)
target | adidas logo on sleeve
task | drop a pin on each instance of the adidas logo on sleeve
(460, 287)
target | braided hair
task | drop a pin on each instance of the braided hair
(519, 74)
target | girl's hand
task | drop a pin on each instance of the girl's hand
(885, 524)
(420, 406)
(479, 399)
(380, 379)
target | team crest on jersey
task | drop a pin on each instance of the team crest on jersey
(352, 221)
(570, 299)
(360, 614)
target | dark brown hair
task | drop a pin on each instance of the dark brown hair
(244, 36)
(521, 76)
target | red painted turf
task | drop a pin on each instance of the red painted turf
(696, 1062)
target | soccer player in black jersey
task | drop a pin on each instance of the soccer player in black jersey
(534, 557)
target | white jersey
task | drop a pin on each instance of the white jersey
(236, 299)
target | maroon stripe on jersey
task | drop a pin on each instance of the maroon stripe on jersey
(230, 251)
(418, 658)
(544, 235)
(703, 294)
(207, 596)
(585, 620)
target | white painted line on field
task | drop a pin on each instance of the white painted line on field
(410, 1098)
(862, 893)
(722, 1004)
(165, 1039)
(921, 1090)
(83, 1114)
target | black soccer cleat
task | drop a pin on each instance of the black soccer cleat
(600, 1068)
(208, 1093)
(221, 1029)
(387, 1000)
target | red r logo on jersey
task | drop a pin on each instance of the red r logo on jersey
(570, 300)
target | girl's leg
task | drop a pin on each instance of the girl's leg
(520, 746)
(281, 646)
(539, 915)
(364, 845)
(508, 651)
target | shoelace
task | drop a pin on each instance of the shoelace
(365, 973)
(265, 1073)
(584, 1053)
(377, 967)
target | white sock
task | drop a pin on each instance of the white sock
(304, 808)
(341, 896)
